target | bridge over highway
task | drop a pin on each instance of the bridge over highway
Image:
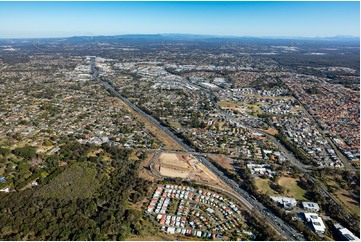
(281, 226)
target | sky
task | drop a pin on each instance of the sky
(259, 19)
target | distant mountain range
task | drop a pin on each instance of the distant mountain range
(189, 37)
(198, 37)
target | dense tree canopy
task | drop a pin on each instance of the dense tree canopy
(103, 214)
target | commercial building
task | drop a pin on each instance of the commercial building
(286, 202)
(345, 233)
(316, 222)
(310, 206)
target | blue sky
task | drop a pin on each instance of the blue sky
(59, 19)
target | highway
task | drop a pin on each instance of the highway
(283, 228)
(145, 115)
(290, 156)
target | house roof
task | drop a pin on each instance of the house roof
(284, 200)
(347, 234)
(316, 221)
(310, 205)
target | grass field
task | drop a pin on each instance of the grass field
(293, 189)
(174, 124)
(351, 204)
(344, 196)
(255, 109)
(263, 186)
(144, 171)
(251, 108)
(223, 161)
(77, 181)
(228, 104)
(290, 184)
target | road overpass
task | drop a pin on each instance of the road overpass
(281, 226)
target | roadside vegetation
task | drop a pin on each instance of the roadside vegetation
(344, 185)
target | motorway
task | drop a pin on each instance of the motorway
(278, 223)
(282, 227)
(112, 90)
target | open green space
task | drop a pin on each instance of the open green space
(345, 197)
(173, 206)
(290, 184)
(174, 124)
(254, 109)
(228, 104)
(336, 184)
(292, 188)
(77, 181)
(263, 186)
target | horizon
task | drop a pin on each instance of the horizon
(231, 19)
(196, 35)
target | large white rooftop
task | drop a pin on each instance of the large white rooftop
(285, 201)
(311, 206)
(316, 221)
(347, 234)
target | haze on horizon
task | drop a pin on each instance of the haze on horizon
(258, 19)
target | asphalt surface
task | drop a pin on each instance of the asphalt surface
(285, 229)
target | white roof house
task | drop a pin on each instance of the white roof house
(316, 222)
(208, 85)
(345, 233)
(171, 230)
(310, 206)
(348, 235)
(287, 202)
(6, 189)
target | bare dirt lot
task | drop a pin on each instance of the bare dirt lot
(182, 165)
(271, 131)
(185, 166)
(171, 165)
(223, 161)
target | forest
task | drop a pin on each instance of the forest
(88, 200)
